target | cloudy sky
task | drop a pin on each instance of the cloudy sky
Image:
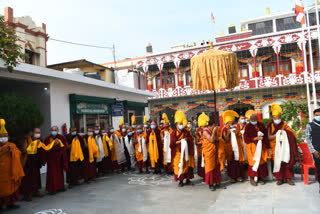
(131, 25)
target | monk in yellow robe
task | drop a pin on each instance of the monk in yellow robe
(283, 143)
(139, 140)
(203, 120)
(165, 137)
(233, 147)
(213, 155)
(181, 146)
(11, 171)
(257, 147)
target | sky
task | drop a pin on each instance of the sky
(131, 25)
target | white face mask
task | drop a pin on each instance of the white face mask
(37, 135)
(189, 126)
(4, 139)
(124, 130)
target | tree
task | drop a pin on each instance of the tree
(291, 112)
(21, 114)
(10, 52)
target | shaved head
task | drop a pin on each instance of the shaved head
(254, 117)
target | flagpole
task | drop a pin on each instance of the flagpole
(314, 95)
(318, 31)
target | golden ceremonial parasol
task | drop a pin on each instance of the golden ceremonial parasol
(213, 70)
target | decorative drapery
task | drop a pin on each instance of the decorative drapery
(259, 59)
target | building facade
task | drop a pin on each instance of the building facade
(271, 69)
(32, 39)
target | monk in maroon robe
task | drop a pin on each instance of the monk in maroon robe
(89, 169)
(57, 161)
(74, 173)
(31, 183)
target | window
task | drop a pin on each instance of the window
(266, 69)
(167, 80)
(261, 27)
(272, 68)
(287, 23)
(313, 19)
(188, 78)
(243, 71)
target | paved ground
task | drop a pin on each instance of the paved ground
(136, 194)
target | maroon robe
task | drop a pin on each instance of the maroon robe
(57, 161)
(200, 169)
(89, 169)
(31, 182)
(75, 169)
(286, 169)
(159, 164)
(173, 139)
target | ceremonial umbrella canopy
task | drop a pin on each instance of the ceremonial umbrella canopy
(213, 70)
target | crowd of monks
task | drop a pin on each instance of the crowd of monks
(242, 149)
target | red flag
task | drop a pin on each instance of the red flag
(213, 19)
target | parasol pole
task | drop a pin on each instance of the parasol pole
(215, 107)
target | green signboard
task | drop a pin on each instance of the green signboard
(91, 108)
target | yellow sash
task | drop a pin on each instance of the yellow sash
(106, 139)
(76, 151)
(93, 149)
(33, 148)
(153, 149)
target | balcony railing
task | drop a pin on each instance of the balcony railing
(253, 83)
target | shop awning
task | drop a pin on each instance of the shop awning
(90, 99)
(134, 105)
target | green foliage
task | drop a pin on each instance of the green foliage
(22, 115)
(266, 121)
(291, 112)
(10, 52)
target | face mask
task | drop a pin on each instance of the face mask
(254, 123)
(189, 126)
(317, 118)
(96, 131)
(153, 126)
(36, 135)
(139, 131)
(124, 130)
(204, 128)
(130, 133)
(54, 133)
(243, 121)
(277, 122)
(74, 133)
(180, 127)
(4, 139)
(247, 121)
(104, 133)
(134, 126)
(90, 133)
(146, 126)
(111, 130)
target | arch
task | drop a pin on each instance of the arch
(193, 114)
(240, 108)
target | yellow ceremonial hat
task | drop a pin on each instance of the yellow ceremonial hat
(203, 119)
(249, 113)
(133, 120)
(2, 127)
(144, 119)
(276, 109)
(179, 117)
(185, 122)
(121, 122)
(165, 118)
(229, 116)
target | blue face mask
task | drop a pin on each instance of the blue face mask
(277, 122)
(96, 131)
(74, 133)
(90, 133)
(153, 126)
(133, 126)
(130, 133)
(54, 133)
(254, 123)
(180, 127)
(243, 121)
(111, 130)
(317, 118)
(146, 126)
(139, 131)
